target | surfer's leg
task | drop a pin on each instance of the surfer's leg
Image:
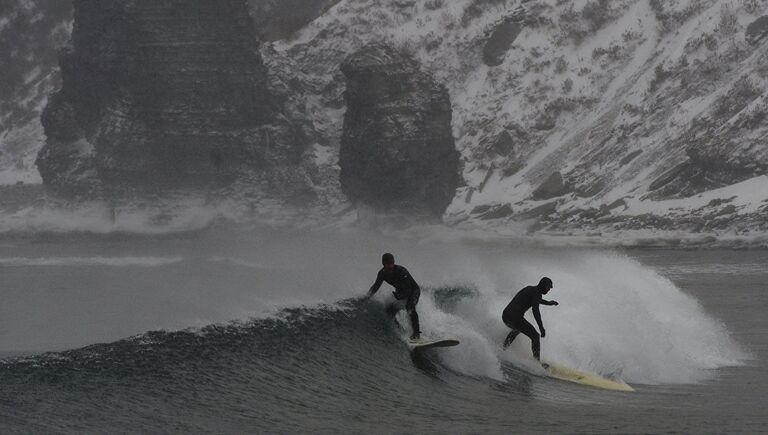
(410, 306)
(511, 324)
(528, 329)
(510, 338)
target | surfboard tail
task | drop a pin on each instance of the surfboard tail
(583, 378)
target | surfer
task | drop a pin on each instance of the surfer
(529, 297)
(406, 292)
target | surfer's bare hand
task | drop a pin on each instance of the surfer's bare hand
(543, 333)
(554, 303)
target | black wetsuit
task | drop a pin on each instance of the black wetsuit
(529, 297)
(406, 289)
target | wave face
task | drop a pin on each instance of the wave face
(307, 348)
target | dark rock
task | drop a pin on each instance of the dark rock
(497, 211)
(629, 157)
(31, 34)
(279, 19)
(500, 41)
(504, 144)
(482, 208)
(668, 176)
(545, 122)
(540, 211)
(728, 209)
(590, 214)
(397, 149)
(552, 187)
(720, 201)
(69, 169)
(714, 161)
(169, 94)
(590, 189)
(757, 30)
(20, 196)
(487, 178)
(616, 204)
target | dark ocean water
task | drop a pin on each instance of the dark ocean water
(233, 333)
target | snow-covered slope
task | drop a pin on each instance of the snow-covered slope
(571, 116)
(31, 31)
(578, 115)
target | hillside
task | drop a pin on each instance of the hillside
(571, 117)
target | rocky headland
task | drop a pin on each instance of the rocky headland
(397, 151)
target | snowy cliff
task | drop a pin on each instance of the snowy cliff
(31, 31)
(581, 115)
(570, 117)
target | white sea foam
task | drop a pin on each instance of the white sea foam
(615, 318)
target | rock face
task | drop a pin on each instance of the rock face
(397, 150)
(552, 187)
(162, 94)
(500, 40)
(757, 30)
(30, 34)
(278, 19)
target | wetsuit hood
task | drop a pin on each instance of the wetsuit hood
(545, 284)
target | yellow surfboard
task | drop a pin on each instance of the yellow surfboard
(573, 375)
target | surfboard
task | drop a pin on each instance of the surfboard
(427, 343)
(579, 377)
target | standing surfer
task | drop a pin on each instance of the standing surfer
(529, 297)
(406, 292)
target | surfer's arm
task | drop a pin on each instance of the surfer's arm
(414, 284)
(543, 302)
(376, 285)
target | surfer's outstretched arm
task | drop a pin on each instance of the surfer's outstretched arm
(543, 302)
(376, 285)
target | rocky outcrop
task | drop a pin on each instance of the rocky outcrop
(397, 150)
(500, 40)
(163, 94)
(279, 19)
(552, 187)
(30, 34)
(725, 148)
(757, 30)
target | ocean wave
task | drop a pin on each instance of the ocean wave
(653, 334)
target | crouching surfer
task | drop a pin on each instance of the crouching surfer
(406, 292)
(529, 297)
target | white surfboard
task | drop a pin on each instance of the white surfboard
(572, 375)
(426, 343)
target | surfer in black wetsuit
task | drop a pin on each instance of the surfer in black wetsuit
(406, 292)
(529, 297)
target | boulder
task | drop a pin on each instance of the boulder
(757, 30)
(552, 187)
(501, 39)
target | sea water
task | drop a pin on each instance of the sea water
(257, 330)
